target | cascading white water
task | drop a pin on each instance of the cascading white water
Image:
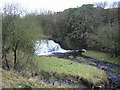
(46, 47)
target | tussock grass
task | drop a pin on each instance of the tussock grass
(13, 80)
(103, 56)
(63, 66)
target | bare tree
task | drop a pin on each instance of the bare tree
(115, 5)
(13, 9)
(101, 4)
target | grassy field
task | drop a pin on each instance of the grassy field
(62, 66)
(103, 56)
(13, 80)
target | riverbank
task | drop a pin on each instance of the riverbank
(14, 80)
(72, 70)
(111, 70)
(102, 56)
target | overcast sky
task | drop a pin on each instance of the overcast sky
(54, 5)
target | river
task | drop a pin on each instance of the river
(50, 48)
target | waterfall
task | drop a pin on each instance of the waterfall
(46, 47)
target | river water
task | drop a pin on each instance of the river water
(50, 48)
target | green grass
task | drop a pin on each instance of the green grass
(79, 58)
(62, 66)
(84, 61)
(103, 56)
(13, 80)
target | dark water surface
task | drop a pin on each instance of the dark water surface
(107, 67)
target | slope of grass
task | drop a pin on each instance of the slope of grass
(103, 56)
(13, 80)
(79, 58)
(62, 66)
(84, 61)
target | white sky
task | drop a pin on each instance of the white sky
(54, 5)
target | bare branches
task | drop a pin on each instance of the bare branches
(13, 9)
(101, 4)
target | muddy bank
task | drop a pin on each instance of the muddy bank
(73, 81)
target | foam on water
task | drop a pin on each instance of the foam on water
(47, 47)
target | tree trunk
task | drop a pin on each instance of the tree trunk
(15, 56)
(7, 62)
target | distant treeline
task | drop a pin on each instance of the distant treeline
(86, 27)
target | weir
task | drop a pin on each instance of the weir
(50, 48)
